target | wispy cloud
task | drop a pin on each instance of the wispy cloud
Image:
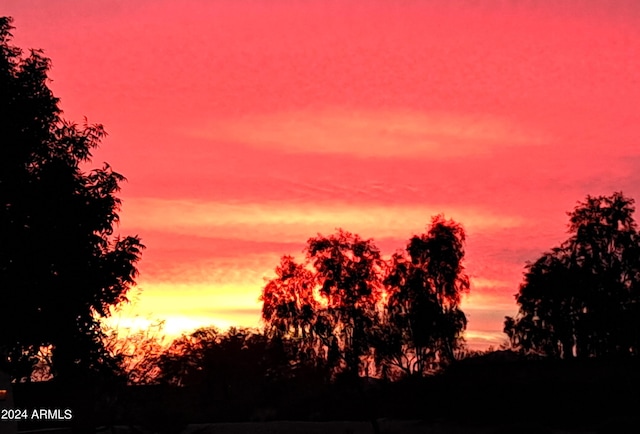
(371, 133)
(297, 222)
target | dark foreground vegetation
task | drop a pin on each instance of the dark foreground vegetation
(496, 389)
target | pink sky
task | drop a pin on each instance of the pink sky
(246, 127)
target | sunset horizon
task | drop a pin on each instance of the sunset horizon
(244, 128)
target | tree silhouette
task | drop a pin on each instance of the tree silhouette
(324, 310)
(424, 322)
(347, 310)
(137, 351)
(235, 366)
(348, 274)
(61, 268)
(290, 312)
(582, 298)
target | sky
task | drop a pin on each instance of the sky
(245, 127)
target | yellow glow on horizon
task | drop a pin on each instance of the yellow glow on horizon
(479, 301)
(169, 327)
(205, 295)
(481, 339)
(174, 326)
(187, 307)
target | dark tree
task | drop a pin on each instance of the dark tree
(348, 275)
(424, 323)
(290, 313)
(338, 311)
(238, 364)
(583, 298)
(61, 268)
(324, 310)
(232, 375)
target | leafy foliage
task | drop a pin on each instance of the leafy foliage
(347, 274)
(425, 285)
(61, 268)
(290, 309)
(348, 311)
(583, 298)
(225, 365)
(137, 351)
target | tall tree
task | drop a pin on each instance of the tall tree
(61, 268)
(339, 309)
(425, 286)
(348, 273)
(290, 312)
(325, 308)
(582, 298)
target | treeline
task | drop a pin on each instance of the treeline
(347, 311)
(344, 312)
